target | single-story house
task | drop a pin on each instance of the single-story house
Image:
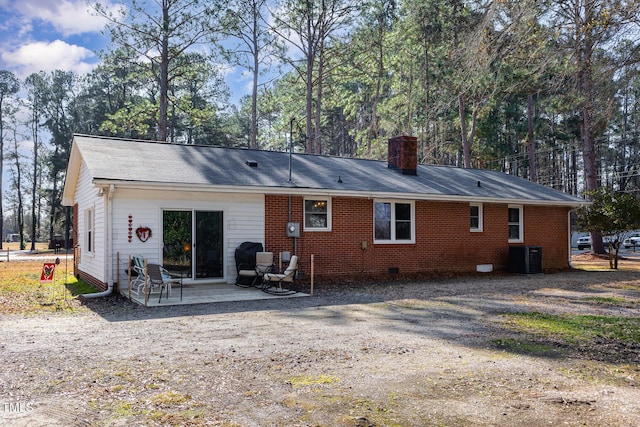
(189, 207)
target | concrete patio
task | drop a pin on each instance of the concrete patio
(204, 293)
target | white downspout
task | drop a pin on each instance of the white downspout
(570, 236)
(108, 246)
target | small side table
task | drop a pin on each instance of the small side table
(174, 279)
(181, 274)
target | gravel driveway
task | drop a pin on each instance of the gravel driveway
(400, 354)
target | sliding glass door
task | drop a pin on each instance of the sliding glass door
(193, 243)
(177, 238)
(208, 245)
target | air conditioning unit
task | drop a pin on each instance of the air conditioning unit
(525, 259)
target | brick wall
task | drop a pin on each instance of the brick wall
(444, 244)
(101, 286)
(547, 227)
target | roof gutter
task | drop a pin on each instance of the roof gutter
(286, 190)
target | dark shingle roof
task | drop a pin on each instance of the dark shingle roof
(142, 162)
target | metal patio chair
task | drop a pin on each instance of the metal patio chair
(137, 273)
(253, 277)
(272, 282)
(158, 278)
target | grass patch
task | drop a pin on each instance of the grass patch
(169, 398)
(616, 301)
(41, 247)
(307, 380)
(124, 409)
(533, 348)
(593, 266)
(22, 293)
(597, 373)
(595, 263)
(579, 328)
(189, 417)
(612, 339)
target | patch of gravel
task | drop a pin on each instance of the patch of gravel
(396, 354)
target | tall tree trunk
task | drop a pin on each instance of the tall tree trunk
(39, 209)
(588, 132)
(164, 75)
(373, 126)
(466, 152)
(1, 170)
(427, 107)
(467, 139)
(9, 86)
(310, 59)
(574, 169)
(317, 144)
(15, 156)
(309, 106)
(53, 204)
(253, 133)
(623, 181)
(408, 120)
(34, 187)
(531, 142)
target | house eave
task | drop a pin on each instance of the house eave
(72, 177)
(287, 189)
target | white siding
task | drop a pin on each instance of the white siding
(243, 217)
(86, 196)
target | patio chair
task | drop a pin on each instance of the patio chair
(272, 283)
(245, 256)
(252, 277)
(158, 278)
(137, 273)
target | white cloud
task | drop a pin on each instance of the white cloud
(224, 69)
(66, 16)
(48, 56)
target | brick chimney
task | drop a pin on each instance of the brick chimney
(403, 154)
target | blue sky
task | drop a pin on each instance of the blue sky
(46, 35)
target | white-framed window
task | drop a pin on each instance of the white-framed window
(317, 214)
(516, 226)
(475, 217)
(89, 232)
(393, 222)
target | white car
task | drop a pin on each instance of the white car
(631, 241)
(584, 242)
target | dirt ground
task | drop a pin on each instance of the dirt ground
(398, 354)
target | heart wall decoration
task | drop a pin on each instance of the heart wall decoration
(143, 233)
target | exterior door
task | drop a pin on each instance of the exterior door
(209, 253)
(193, 243)
(177, 242)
